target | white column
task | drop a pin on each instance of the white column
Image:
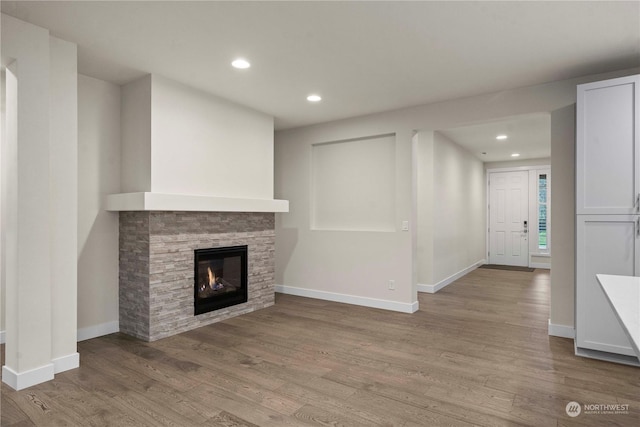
(28, 288)
(63, 196)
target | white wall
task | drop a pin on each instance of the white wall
(459, 209)
(136, 136)
(425, 209)
(563, 215)
(353, 266)
(8, 174)
(451, 210)
(99, 175)
(3, 137)
(304, 258)
(178, 140)
(205, 145)
(352, 184)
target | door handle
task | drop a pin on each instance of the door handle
(526, 228)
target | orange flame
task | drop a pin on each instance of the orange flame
(212, 277)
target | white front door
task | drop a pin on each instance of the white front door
(509, 218)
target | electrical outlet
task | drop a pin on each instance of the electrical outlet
(392, 285)
(405, 225)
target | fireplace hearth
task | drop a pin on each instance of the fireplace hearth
(157, 273)
(220, 278)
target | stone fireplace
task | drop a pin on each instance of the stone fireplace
(196, 173)
(157, 273)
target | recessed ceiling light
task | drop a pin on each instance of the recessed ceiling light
(500, 137)
(314, 98)
(515, 155)
(240, 63)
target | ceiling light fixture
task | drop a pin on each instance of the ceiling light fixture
(515, 155)
(314, 98)
(240, 63)
(501, 137)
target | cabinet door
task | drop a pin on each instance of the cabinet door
(607, 150)
(606, 244)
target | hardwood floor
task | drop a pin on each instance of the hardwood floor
(476, 353)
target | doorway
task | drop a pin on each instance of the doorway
(509, 218)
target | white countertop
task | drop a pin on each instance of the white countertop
(623, 293)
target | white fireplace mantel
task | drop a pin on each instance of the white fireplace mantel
(145, 201)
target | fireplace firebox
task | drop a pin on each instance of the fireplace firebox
(220, 278)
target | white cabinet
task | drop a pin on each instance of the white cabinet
(607, 153)
(607, 208)
(606, 244)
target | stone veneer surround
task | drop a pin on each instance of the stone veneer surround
(157, 267)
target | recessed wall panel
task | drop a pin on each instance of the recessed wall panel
(353, 184)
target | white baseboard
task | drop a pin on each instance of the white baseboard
(432, 289)
(22, 380)
(88, 333)
(561, 331)
(66, 363)
(415, 306)
(98, 330)
(349, 299)
(429, 289)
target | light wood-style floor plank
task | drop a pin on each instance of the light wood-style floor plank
(476, 353)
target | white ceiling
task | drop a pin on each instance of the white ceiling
(362, 57)
(528, 135)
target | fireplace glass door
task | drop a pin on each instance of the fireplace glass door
(220, 278)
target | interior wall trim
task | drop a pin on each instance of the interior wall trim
(98, 330)
(561, 331)
(22, 380)
(350, 299)
(66, 363)
(432, 289)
